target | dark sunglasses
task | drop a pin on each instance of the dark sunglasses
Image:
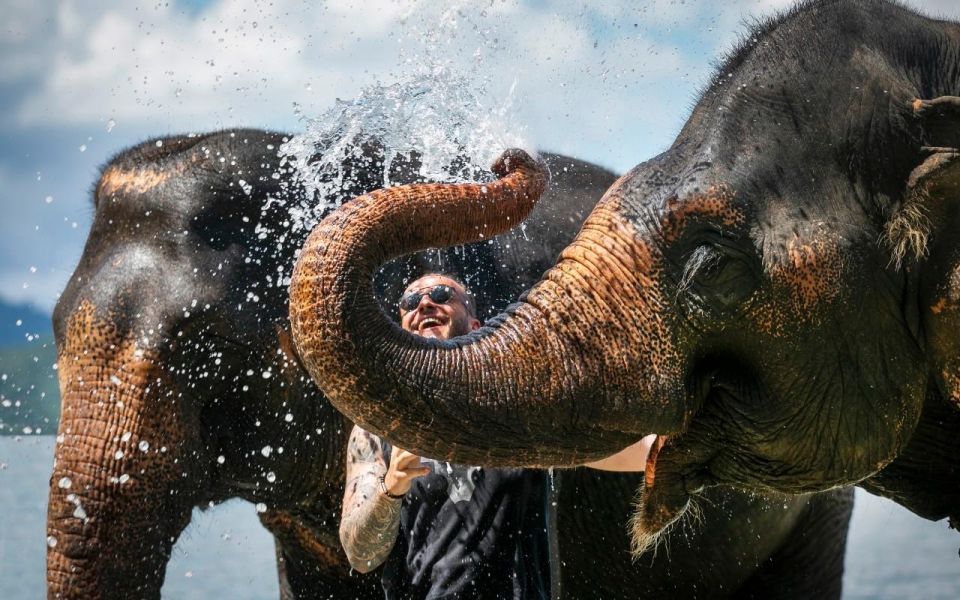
(439, 294)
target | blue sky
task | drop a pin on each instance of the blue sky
(80, 80)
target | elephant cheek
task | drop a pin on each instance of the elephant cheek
(116, 503)
(806, 280)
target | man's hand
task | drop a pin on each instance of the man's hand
(370, 520)
(404, 468)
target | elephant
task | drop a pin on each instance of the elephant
(774, 294)
(181, 388)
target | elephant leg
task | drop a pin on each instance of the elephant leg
(310, 560)
(809, 564)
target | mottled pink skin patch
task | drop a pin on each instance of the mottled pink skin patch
(137, 181)
(807, 276)
(716, 204)
(140, 180)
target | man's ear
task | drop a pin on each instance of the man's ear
(474, 324)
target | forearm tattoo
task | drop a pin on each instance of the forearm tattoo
(370, 520)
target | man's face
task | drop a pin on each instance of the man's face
(434, 319)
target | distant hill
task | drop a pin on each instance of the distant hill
(20, 322)
(29, 392)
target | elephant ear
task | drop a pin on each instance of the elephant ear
(937, 177)
(932, 183)
(925, 228)
(925, 476)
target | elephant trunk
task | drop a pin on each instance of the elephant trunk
(118, 494)
(547, 382)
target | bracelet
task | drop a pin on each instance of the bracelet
(386, 492)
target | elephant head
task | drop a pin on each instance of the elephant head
(776, 292)
(179, 383)
(180, 386)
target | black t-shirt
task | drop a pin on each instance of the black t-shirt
(470, 533)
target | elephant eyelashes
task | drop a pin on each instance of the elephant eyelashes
(716, 277)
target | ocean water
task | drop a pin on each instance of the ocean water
(225, 552)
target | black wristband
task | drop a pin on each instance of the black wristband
(386, 492)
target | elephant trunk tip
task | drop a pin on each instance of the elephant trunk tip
(515, 159)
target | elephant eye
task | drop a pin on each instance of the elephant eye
(717, 276)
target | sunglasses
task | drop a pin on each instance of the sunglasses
(439, 294)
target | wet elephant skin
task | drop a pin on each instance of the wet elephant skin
(778, 293)
(166, 332)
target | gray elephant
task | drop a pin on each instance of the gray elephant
(777, 292)
(181, 388)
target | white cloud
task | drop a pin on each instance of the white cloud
(141, 60)
(248, 61)
(610, 82)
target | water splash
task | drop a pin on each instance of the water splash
(432, 125)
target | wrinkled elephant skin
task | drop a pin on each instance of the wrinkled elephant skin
(181, 388)
(777, 292)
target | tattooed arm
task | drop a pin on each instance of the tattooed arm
(371, 519)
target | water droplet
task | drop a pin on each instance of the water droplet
(271, 477)
(124, 478)
(288, 417)
(261, 507)
(115, 380)
(83, 148)
(221, 459)
(64, 483)
(126, 436)
(266, 451)
(48, 199)
(51, 541)
(143, 445)
(110, 125)
(118, 455)
(266, 374)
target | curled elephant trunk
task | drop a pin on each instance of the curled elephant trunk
(117, 501)
(544, 383)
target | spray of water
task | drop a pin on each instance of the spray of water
(433, 117)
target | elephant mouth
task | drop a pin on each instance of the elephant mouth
(666, 493)
(650, 470)
(677, 470)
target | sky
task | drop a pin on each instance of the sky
(81, 80)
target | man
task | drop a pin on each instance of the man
(445, 531)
